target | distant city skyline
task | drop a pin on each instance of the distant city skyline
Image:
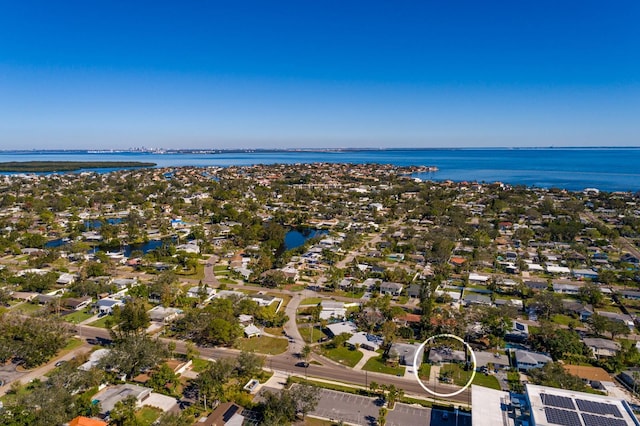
(285, 75)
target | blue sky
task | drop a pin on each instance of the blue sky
(256, 74)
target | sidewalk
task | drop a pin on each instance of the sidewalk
(367, 355)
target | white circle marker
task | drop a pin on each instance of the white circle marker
(421, 349)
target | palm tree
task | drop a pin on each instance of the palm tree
(305, 352)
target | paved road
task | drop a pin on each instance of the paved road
(209, 275)
(286, 362)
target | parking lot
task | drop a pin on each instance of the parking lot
(360, 410)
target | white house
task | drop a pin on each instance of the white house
(105, 306)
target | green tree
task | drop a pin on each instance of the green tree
(133, 353)
(124, 412)
(164, 380)
(249, 364)
(553, 374)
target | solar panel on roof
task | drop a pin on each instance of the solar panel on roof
(593, 420)
(557, 401)
(598, 407)
(562, 417)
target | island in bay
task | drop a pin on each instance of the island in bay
(67, 166)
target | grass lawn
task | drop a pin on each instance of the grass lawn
(77, 317)
(276, 331)
(227, 281)
(198, 274)
(563, 319)
(28, 307)
(101, 322)
(147, 415)
(72, 344)
(343, 355)
(311, 421)
(199, 365)
(311, 301)
(461, 377)
(424, 371)
(378, 365)
(305, 332)
(263, 344)
(221, 268)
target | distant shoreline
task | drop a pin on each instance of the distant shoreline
(318, 149)
(67, 166)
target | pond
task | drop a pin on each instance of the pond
(297, 237)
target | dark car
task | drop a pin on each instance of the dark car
(303, 364)
(60, 363)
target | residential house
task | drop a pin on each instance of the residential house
(207, 293)
(65, 279)
(110, 396)
(630, 294)
(332, 310)
(252, 331)
(225, 414)
(414, 291)
(526, 360)
(519, 332)
(444, 354)
(584, 312)
(626, 319)
(485, 359)
(77, 303)
(86, 421)
(478, 279)
(366, 341)
(565, 288)
(162, 314)
(536, 285)
(582, 274)
(476, 299)
(602, 347)
(342, 327)
(105, 306)
(393, 289)
(406, 353)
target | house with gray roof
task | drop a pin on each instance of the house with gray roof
(526, 360)
(392, 289)
(406, 353)
(110, 396)
(602, 347)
